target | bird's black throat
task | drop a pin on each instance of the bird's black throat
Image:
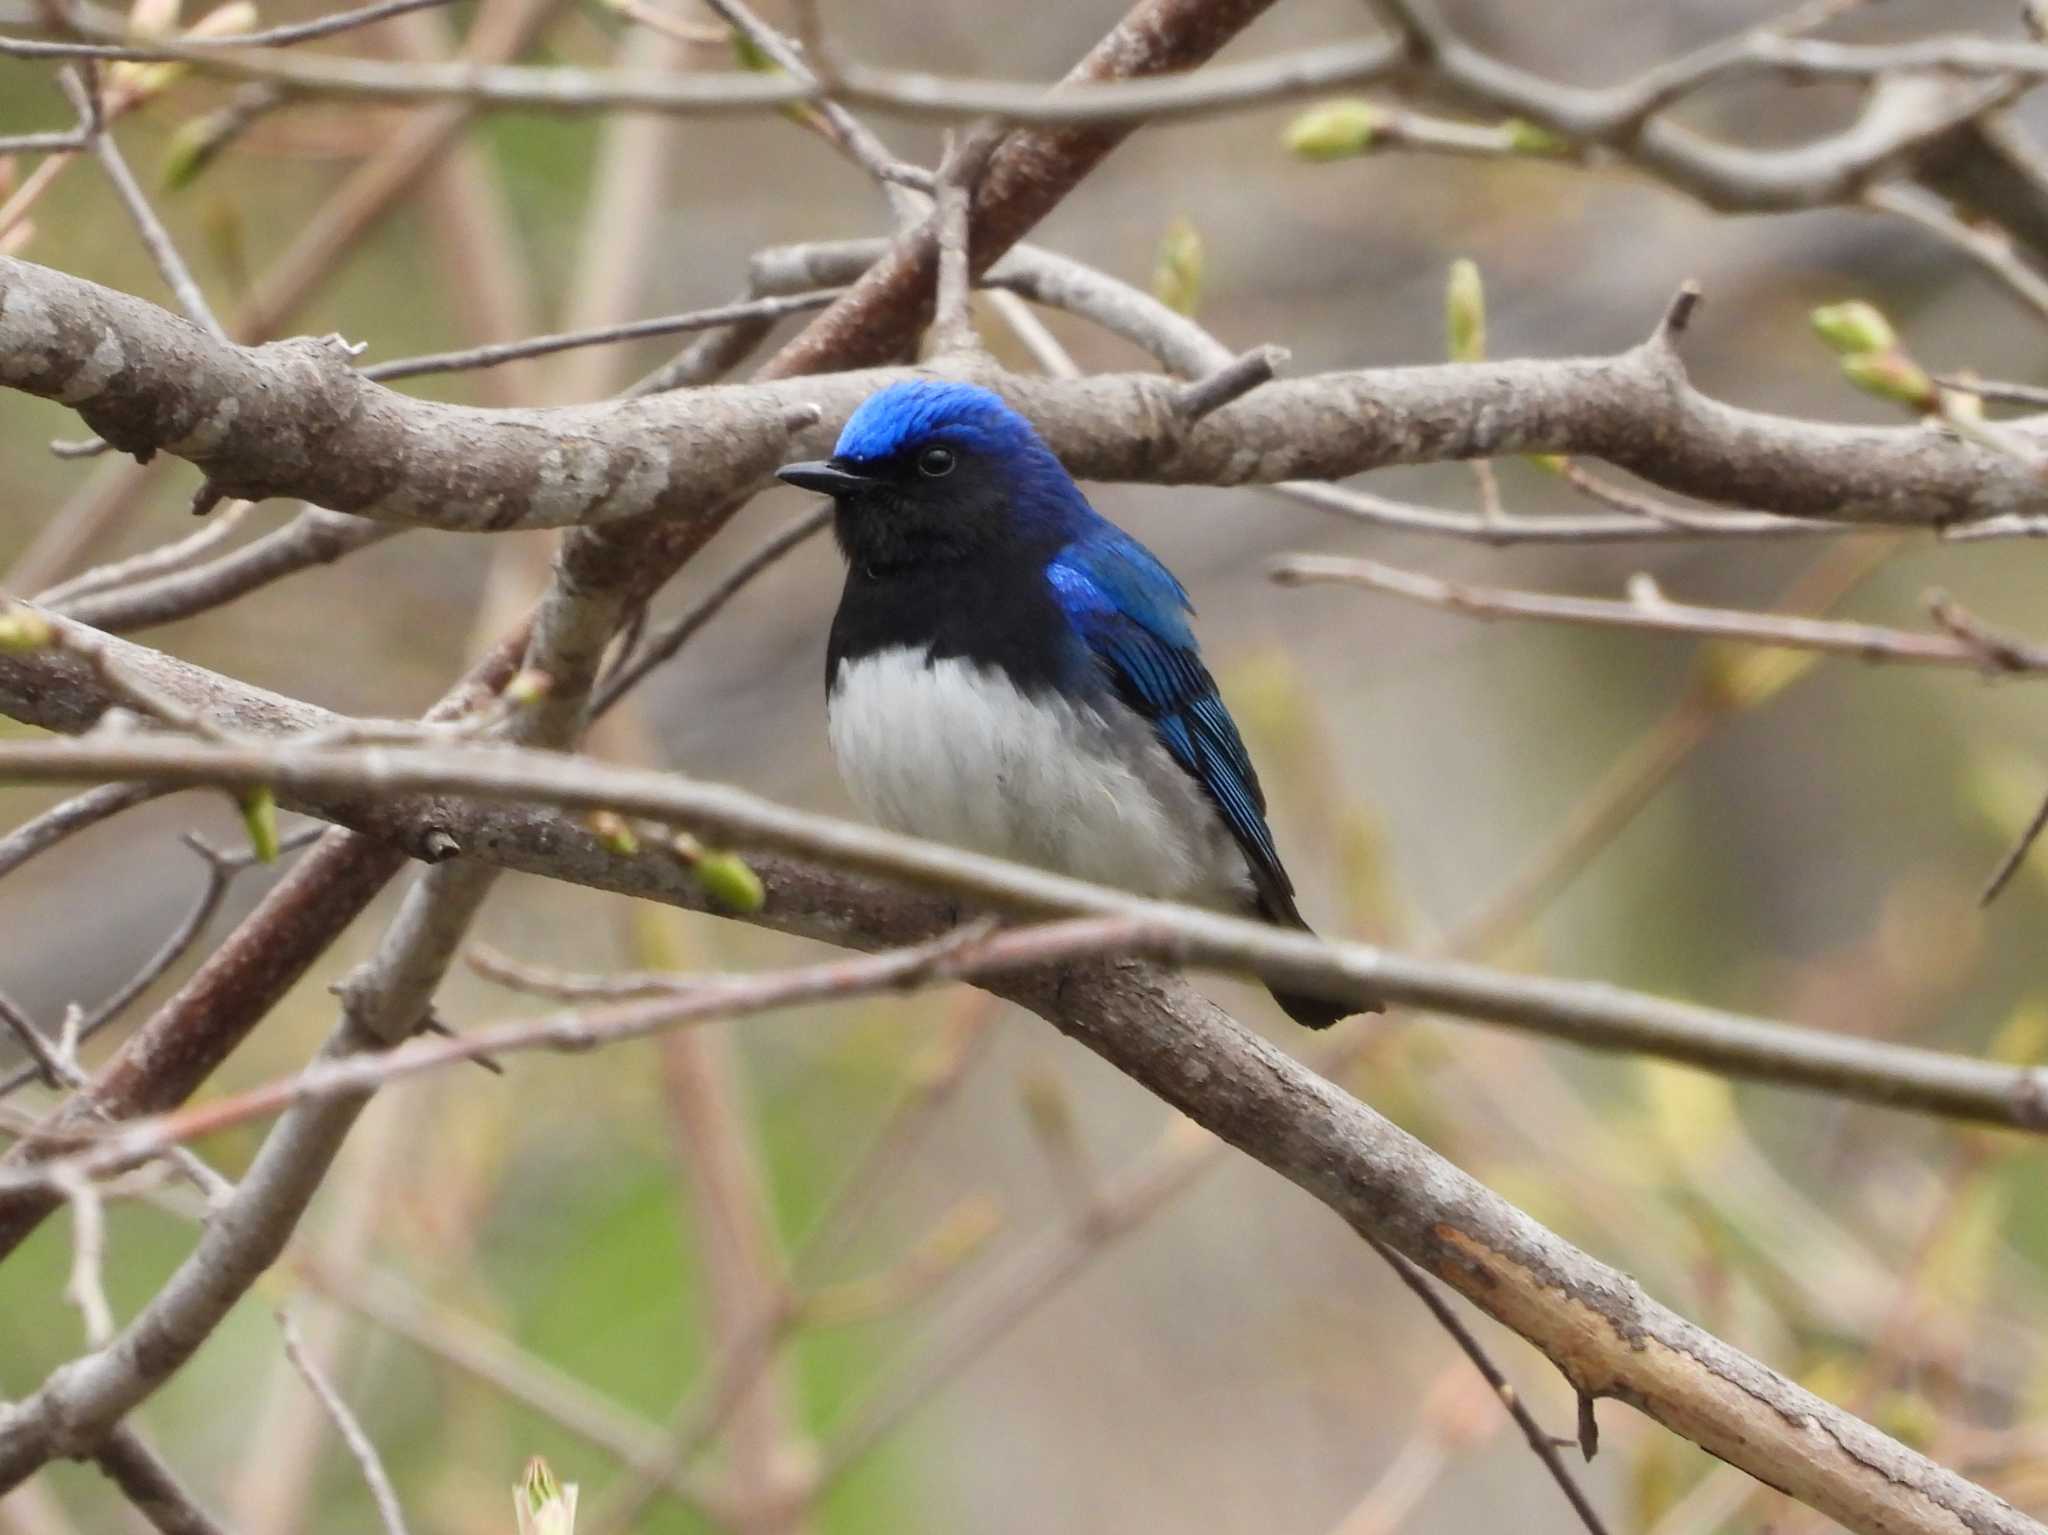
(988, 611)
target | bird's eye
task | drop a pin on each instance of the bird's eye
(934, 463)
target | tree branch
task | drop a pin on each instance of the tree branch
(1648, 610)
(152, 1486)
(380, 780)
(293, 418)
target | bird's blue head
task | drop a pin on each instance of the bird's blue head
(934, 471)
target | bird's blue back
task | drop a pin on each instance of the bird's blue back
(1133, 616)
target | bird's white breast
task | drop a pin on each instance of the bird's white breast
(956, 752)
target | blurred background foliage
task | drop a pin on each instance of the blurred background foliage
(1237, 1361)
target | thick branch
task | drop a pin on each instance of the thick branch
(293, 418)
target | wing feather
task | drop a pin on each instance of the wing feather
(1133, 615)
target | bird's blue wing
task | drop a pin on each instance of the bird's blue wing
(1133, 616)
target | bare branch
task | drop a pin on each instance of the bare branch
(560, 88)
(747, 311)
(44, 1064)
(965, 953)
(1991, 389)
(1904, 109)
(1992, 250)
(162, 560)
(852, 136)
(70, 818)
(1239, 377)
(221, 869)
(151, 1486)
(86, 1287)
(1184, 347)
(456, 1340)
(1648, 609)
(1594, 1015)
(1539, 1440)
(359, 1446)
(2010, 864)
(245, 415)
(155, 238)
(314, 537)
(662, 646)
(96, 21)
(952, 330)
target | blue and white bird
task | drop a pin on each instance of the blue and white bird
(1010, 672)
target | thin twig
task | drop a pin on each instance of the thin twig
(86, 1286)
(221, 869)
(898, 179)
(749, 310)
(44, 1064)
(1540, 1440)
(155, 238)
(176, 555)
(663, 644)
(966, 952)
(952, 328)
(448, 1336)
(314, 537)
(1993, 251)
(1240, 377)
(66, 140)
(1650, 610)
(151, 1486)
(2010, 864)
(324, 26)
(345, 1424)
(1993, 389)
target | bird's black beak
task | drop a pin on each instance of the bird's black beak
(824, 477)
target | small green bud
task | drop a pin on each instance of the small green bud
(1854, 327)
(1465, 312)
(731, 883)
(541, 1505)
(23, 629)
(1334, 130)
(528, 687)
(1177, 268)
(1527, 138)
(960, 1231)
(1892, 376)
(748, 55)
(1050, 1112)
(259, 821)
(189, 150)
(614, 832)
